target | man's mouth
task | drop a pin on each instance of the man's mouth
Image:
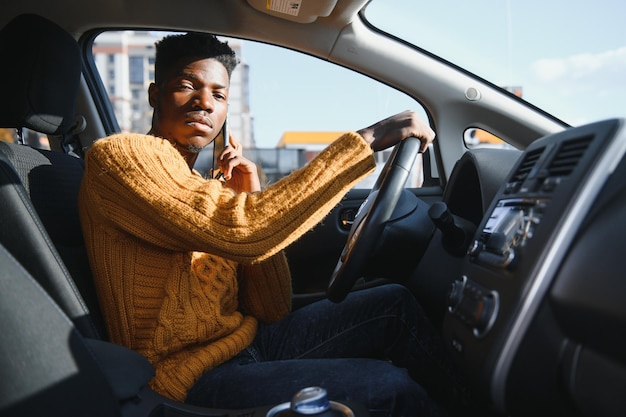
(200, 121)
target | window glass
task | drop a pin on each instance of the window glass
(284, 107)
(136, 69)
(29, 137)
(566, 57)
(479, 138)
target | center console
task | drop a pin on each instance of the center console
(498, 308)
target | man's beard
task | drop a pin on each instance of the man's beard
(193, 148)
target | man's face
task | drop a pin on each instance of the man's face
(190, 105)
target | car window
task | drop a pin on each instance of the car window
(284, 106)
(535, 49)
(475, 137)
(29, 137)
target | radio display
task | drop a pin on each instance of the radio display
(509, 227)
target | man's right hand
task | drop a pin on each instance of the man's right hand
(239, 172)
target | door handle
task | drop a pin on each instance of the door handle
(346, 218)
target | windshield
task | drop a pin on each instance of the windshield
(567, 57)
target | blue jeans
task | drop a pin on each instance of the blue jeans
(376, 347)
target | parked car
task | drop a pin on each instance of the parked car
(514, 249)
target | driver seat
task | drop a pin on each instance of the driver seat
(41, 186)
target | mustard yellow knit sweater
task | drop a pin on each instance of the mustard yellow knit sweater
(185, 267)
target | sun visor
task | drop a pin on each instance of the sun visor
(301, 11)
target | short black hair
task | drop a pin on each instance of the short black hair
(172, 50)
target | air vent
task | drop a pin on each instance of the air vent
(568, 156)
(528, 163)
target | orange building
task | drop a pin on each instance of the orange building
(311, 142)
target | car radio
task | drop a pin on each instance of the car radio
(509, 227)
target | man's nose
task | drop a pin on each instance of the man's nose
(205, 100)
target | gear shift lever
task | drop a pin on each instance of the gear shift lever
(457, 232)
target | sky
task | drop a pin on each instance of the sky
(569, 56)
(295, 92)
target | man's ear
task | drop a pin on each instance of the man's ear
(153, 91)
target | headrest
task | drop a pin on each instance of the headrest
(39, 77)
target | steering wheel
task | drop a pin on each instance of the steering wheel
(371, 218)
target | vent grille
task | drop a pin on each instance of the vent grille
(528, 163)
(568, 156)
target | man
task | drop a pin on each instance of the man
(190, 272)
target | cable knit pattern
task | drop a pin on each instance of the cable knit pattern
(185, 267)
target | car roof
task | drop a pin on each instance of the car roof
(228, 18)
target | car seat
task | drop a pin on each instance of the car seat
(40, 225)
(47, 369)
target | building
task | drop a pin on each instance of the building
(306, 145)
(311, 142)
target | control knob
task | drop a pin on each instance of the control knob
(474, 305)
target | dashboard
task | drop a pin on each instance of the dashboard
(535, 317)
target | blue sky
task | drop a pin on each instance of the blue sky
(295, 92)
(568, 55)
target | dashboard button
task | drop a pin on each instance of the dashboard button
(474, 305)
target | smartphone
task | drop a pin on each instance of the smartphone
(219, 143)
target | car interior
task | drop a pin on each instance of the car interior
(514, 253)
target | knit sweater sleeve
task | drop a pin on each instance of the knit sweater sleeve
(142, 185)
(265, 289)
